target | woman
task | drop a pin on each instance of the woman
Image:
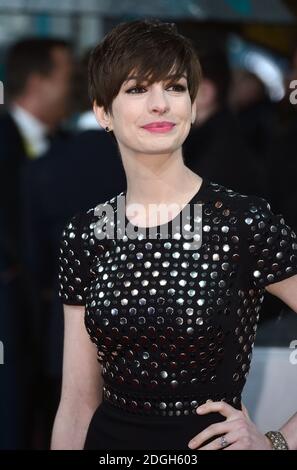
(173, 323)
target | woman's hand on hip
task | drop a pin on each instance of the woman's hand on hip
(237, 432)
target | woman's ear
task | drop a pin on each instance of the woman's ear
(102, 117)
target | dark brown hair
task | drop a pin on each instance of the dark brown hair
(149, 48)
(28, 56)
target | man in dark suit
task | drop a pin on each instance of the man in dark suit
(38, 73)
(37, 81)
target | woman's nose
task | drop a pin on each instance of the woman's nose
(158, 101)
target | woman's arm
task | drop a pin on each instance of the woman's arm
(81, 386)
(287, 291)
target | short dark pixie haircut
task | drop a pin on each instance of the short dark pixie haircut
(151, 49)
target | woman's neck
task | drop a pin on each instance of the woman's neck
(168, 181)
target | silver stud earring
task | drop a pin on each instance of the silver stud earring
(107, 129)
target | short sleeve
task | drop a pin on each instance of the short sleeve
(271, 244)
(72, 268)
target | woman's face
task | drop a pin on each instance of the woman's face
(152, 119)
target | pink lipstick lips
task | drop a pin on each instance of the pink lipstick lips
(159, 126)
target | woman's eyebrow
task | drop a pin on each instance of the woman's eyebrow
(174, 76)
(169, 77)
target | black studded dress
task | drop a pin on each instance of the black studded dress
(174, 325)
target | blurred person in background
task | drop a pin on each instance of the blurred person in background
(256, 113)
(283, 187)
(37, 83)
(282, 153)
(216, 146)
(74, 174)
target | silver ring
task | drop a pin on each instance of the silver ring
(223, 442)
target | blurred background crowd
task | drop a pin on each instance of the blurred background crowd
(55, 160)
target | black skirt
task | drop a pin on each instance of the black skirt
(113, 428)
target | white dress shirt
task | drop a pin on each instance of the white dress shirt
(32, 130)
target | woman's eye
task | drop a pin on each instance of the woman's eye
(136, 88)
(178, 87)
